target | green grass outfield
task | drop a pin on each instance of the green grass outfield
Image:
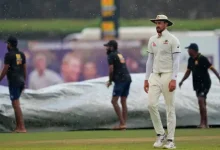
(68, 25)
(186, 139)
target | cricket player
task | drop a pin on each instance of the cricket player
(199, 66)
(15, 68)
(161, 74)
(118, 73)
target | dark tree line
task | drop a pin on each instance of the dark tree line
(192, 9)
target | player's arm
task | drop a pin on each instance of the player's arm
(25, 72)
(149, 66)
(4, 71)
(176, 51)
(215, 72)
(6, 66)
(24, 67)
(176, 62)
(187, 73)
(149, 63)
(208, 65)
(111, 69)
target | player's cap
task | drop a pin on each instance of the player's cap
(162, 18)
(112, 43)
(193, 46)
(12, 40)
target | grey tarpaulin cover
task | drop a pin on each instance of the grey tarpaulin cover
(87, 105)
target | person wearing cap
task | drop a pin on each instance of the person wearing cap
(15, 68)
(161, 73)
(199, 66)
(119, 74)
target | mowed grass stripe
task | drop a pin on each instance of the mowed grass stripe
(42, 136)
(106, 141)
(186, 139)
(194, 145)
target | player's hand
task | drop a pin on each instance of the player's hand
(108, 84)
(180, 84)
(146, 86)
(172, 85)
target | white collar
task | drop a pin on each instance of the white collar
(164, 33)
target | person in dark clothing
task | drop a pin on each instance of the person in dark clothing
(199, 66)
(15, 68)
(119, 74)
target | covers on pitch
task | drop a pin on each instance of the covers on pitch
(87, 105)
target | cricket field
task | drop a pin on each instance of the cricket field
(186, 139)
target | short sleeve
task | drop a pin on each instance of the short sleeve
(149, 48)
(7, 59)
(176, 45)
(189, 66)
(206, 62)
(110, 59)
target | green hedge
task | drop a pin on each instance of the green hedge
(65, 26)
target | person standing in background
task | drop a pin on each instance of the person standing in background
(118, 73)
(90, 71)
(15, 68)
(199, 66)
(71, 68)
(162, 65)
(42, 77)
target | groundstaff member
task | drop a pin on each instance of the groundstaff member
(199, 66)
(118, 73)
(15, 68)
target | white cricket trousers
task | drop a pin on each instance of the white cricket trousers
(159, 83)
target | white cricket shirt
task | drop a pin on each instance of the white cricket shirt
(163, 48)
